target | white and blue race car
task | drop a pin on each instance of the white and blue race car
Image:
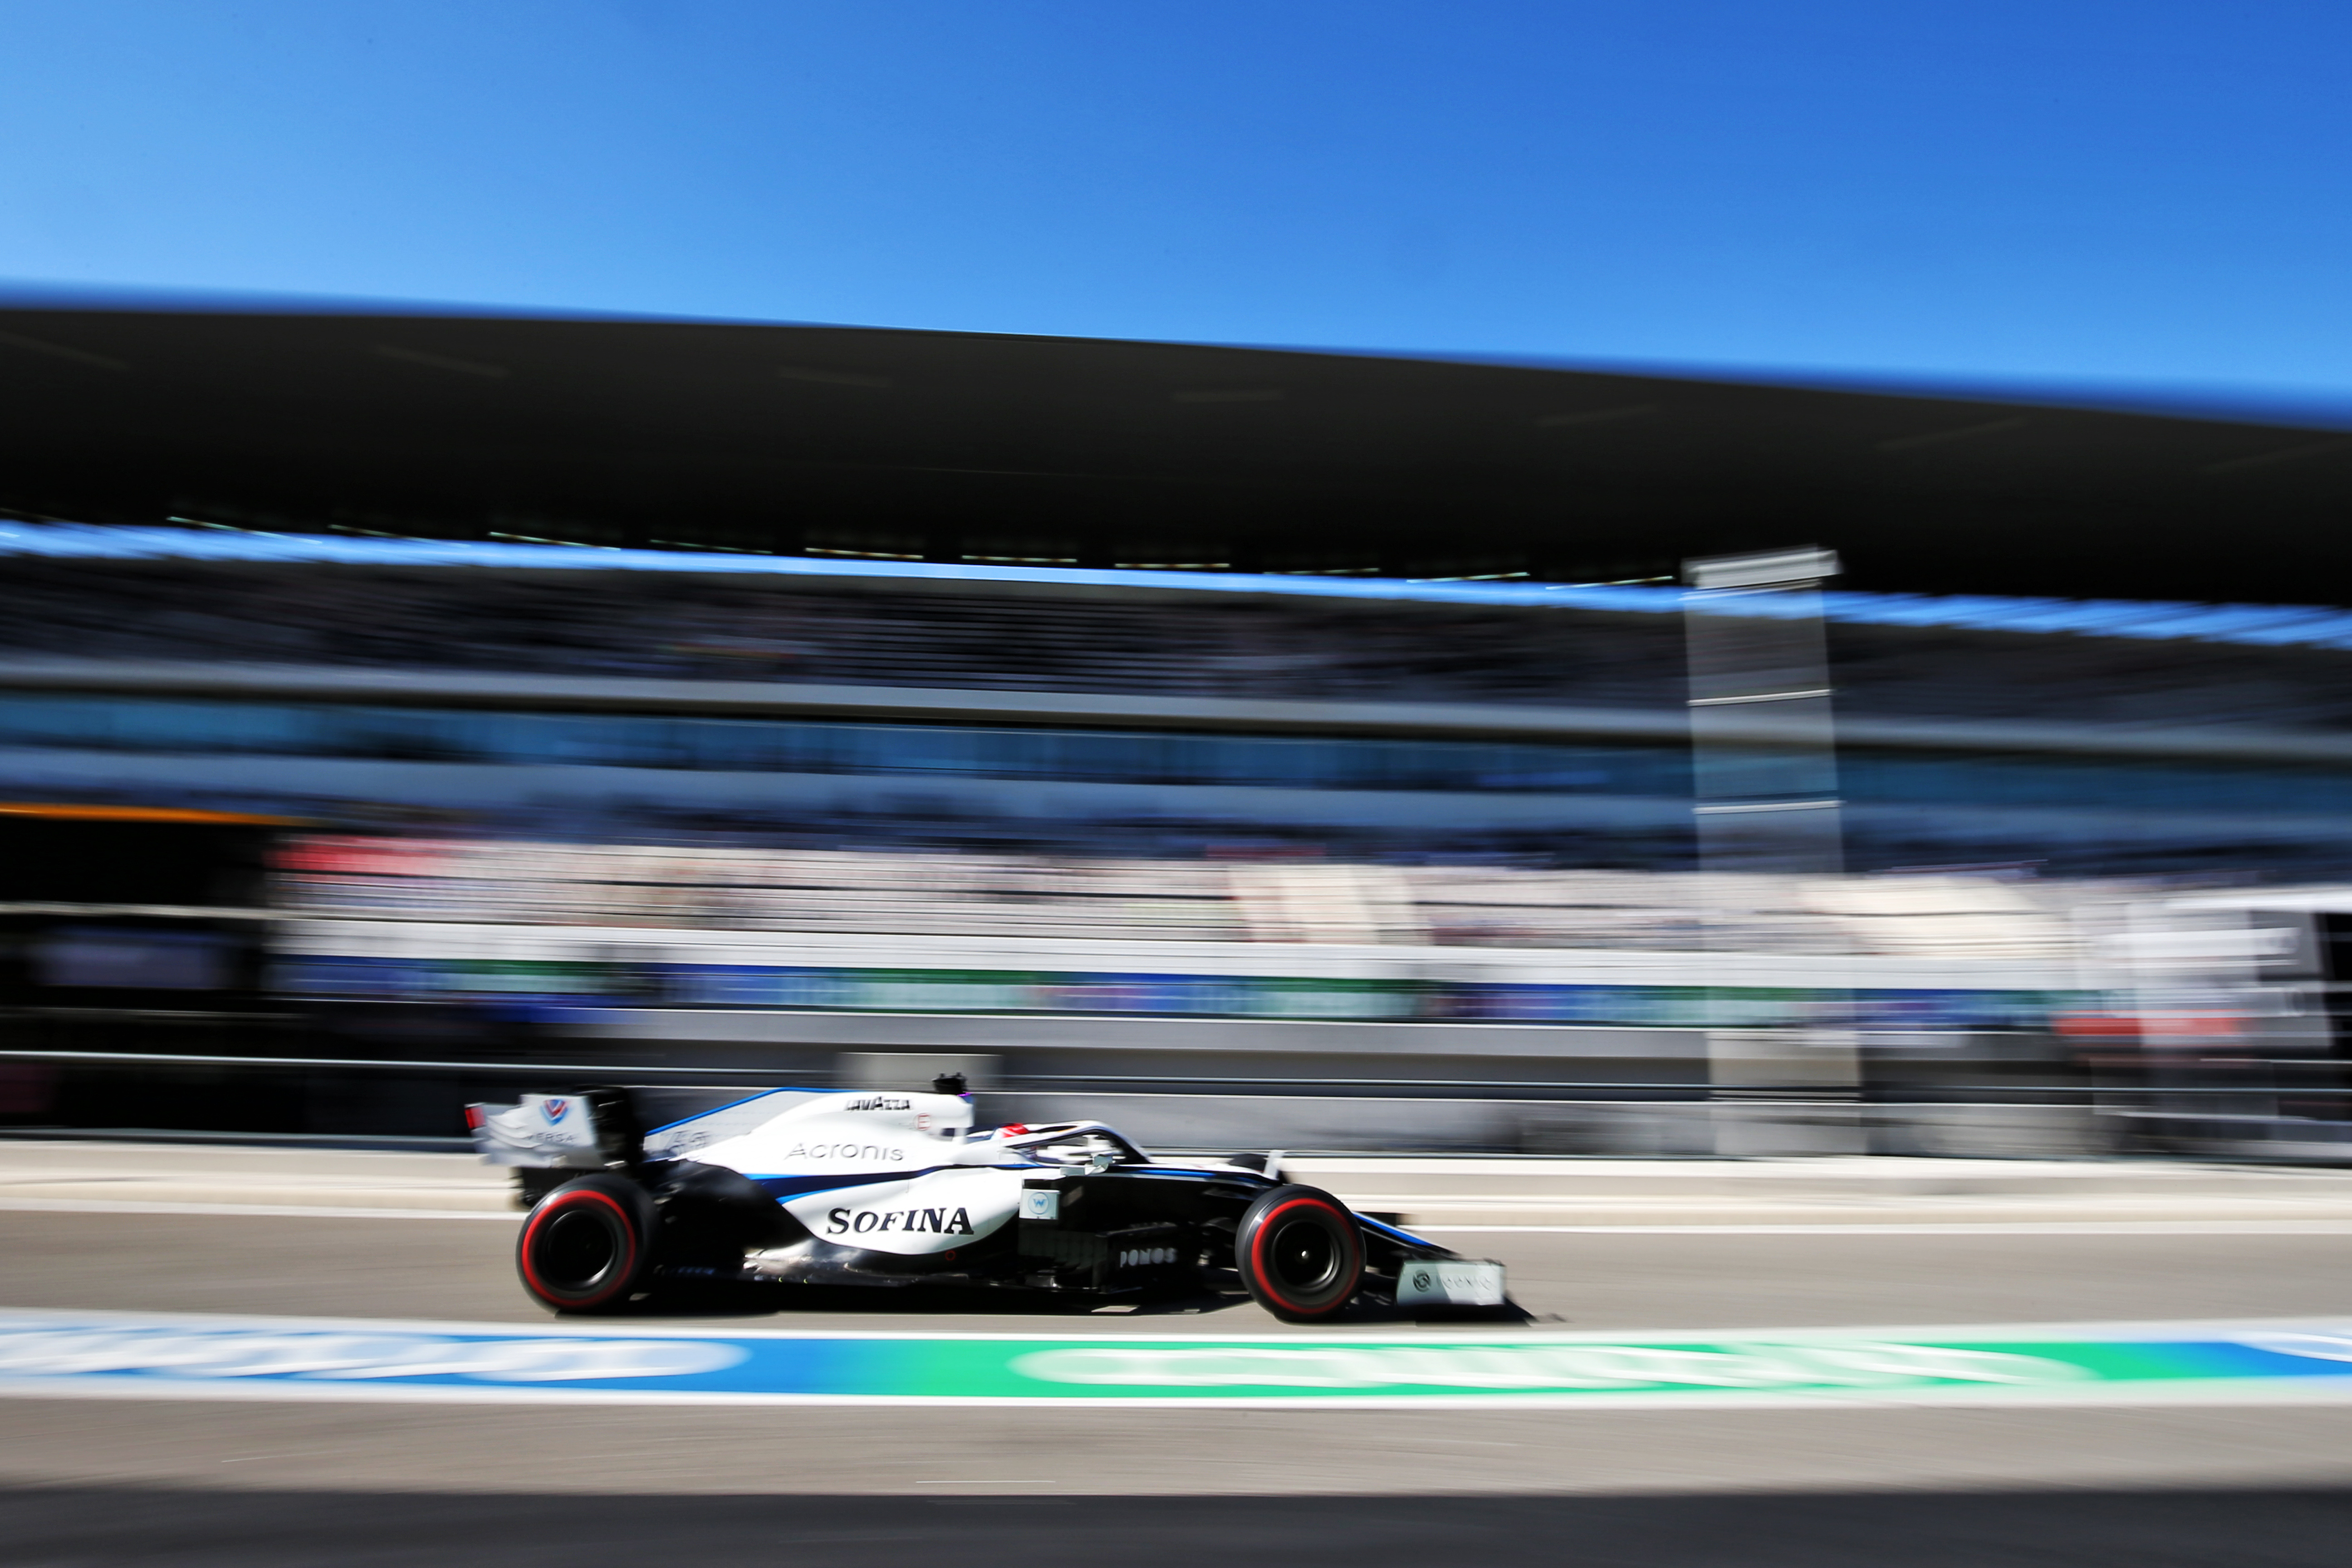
(641, 1192)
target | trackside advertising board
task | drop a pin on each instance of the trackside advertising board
(156, 1356)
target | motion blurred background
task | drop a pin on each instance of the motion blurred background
(1694, 594)
(1798, 608)
(1320, 752)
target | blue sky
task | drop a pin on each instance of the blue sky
(2017, 192)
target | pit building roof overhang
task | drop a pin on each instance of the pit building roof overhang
(972, 450)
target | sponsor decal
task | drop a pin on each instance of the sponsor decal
(71, 1355)
(880, 1102)
(543, 1126)
(848, 1151)
(1540, 1367)
(206, 1350)
(1458, 1282)
(942, 1221)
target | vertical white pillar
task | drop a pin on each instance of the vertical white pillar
(1767, 818)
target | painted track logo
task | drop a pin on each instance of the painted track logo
(99, 1355)
(180, 1354)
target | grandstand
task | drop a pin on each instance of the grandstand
(154, 594)
(1100, 815)
(1143, 713)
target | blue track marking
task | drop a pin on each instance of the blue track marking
(131, 1355)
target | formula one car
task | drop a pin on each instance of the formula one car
(816, 1187)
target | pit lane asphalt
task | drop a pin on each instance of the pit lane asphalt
(157, 1455)
(464, 1270)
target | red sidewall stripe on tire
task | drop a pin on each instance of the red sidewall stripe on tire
(1257, 1252)
(621, 1272)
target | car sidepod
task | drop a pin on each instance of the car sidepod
(1136, 1228)
(925, 1214)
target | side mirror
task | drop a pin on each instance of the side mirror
(947, 1083)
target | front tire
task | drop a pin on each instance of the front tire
(587, 1246)
(1299, 1253)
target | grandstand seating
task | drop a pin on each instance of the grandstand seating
(1092, 640)
(1099, 898)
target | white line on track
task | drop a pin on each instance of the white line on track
(2225, 1392)
(2103, 1329)
(1927, 1227)
(1917, 1227)
(267, 1211)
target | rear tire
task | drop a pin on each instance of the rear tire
(1299, 1253)
(587, 1246)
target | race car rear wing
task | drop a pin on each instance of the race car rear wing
(545, 1131)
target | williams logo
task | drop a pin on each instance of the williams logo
(943, 1221)
(880, 1102)
(555, 1108)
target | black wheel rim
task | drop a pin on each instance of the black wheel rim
(1304, 1256)
(577, 1251)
